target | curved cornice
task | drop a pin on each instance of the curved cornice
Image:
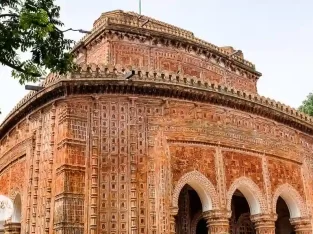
(107, 79)
(145, 26)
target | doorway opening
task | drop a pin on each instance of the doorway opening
(282, 224)
(189, 218)
(240, 220)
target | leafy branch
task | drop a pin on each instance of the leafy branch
(32, 27)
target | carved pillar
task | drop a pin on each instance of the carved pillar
(12, 228)
(264, 223)
(220, 177)
(174, 211)
(302, 225)
(217, 221)
(267, 182)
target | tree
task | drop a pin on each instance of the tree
(307, 105)
(32, 27)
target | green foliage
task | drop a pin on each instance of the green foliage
(307, 105)
(32, 27)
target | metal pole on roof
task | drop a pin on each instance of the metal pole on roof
(139, 7)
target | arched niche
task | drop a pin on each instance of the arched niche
(251, 192)
(292, 198)
(204, 188)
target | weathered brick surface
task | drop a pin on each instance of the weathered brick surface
(166, 59)
(109, 160)
(285, 172)
(241, 164)
(187, 158)
(106, 170)
(4, 182)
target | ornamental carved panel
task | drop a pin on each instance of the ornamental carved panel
(165, 60)
(186, 158)
(241, 83)
(282, 172)
(128, 54)
(18, 172)
(241, 164)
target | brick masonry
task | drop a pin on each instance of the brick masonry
(112, 163)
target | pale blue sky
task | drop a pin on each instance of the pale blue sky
(276, 35)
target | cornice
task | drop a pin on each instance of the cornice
(108, 79)
(136, 24)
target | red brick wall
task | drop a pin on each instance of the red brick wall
(241, 164)
(97, 54)
(105, 157)
(5, 182)
(186, 158)
(165, 59)
(285, 172)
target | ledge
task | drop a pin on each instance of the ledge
(92, 78)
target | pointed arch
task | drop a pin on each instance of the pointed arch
(251, 192)
(293, 199)
(204, 188)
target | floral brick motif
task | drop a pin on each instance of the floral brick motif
(285, 172)
(186, 158)
(241, 164)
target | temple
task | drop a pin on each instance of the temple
(156, 132)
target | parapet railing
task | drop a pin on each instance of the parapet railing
(104, 72)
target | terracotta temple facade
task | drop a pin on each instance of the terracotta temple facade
(157, 132)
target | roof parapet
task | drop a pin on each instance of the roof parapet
(134, 20)
(95, 71)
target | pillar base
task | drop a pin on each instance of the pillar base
(217, 221)
(12, 228)
(264, 223)
(302, 225)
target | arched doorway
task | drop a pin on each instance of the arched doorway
(189, 218)
(283, 225)
(240, 219)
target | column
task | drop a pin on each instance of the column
(174, 211)
(264, 223)
(12, 228)
(302, 225)
(217, 221)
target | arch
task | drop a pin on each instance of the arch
(195, 221)
(204, 188)
(251, 192)
(293, 199)
(17, 214)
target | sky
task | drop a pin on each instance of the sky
(275, 35)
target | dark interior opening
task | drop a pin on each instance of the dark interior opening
(282, 224)
(189, 218)
(240, 220)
